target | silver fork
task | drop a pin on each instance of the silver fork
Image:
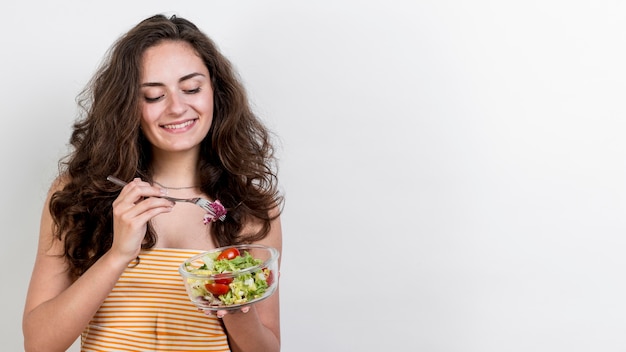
(211, 207)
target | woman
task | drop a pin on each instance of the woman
(166, 113)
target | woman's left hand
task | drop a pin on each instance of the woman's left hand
(221, 313)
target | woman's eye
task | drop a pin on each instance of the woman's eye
(192, 91)
(152, 100)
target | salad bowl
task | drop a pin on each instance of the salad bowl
(229, 278)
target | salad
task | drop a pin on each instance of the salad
(228, 282)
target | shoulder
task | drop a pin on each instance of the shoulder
(274, 236)
(58, 184)
(47, 222)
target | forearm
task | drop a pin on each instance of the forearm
(55, 324)
(259, 328)
(246, 332)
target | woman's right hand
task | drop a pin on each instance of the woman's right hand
(137, 203)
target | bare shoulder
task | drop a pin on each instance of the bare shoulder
(274, 236)
(46, 231)
(58, 183)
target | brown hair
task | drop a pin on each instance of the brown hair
(237, 164)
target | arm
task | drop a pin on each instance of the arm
(57, 308)
(259, 328)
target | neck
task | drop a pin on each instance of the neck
(176, 170)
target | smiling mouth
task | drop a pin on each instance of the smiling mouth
(179, 125)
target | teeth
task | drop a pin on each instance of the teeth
(180, 125)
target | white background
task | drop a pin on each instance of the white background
(454, 170)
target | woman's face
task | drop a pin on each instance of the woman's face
(177, 97)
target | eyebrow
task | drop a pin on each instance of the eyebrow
(183, 78)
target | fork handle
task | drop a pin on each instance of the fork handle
(116, 180)
(177, 199)
(119, 182)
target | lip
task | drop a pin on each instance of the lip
(180, 126)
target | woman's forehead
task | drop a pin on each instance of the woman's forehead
(171, 60)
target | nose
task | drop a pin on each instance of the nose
(176, 104)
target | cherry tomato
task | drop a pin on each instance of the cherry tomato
(217, 289)
(223, 279)
(270, 277)
(229, 253)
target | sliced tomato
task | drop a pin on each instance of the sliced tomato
(229, 253)
(217, 289)
(223, 279)
(270, 277)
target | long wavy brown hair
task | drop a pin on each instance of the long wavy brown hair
(236, 166)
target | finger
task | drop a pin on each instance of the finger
(142, 212)
(136, 190)
(128, 211)
(221, 313)
(134, 220)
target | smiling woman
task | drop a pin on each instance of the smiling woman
(166, 108)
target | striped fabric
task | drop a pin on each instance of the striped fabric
(149, 310)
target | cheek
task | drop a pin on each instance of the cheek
(206, 102)
(148, 114)
(207, 108)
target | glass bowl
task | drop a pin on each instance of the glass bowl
(210, 288)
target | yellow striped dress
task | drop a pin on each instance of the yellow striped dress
(149, 310)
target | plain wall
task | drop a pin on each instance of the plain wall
(453, 170)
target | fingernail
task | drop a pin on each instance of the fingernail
(245, 309)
